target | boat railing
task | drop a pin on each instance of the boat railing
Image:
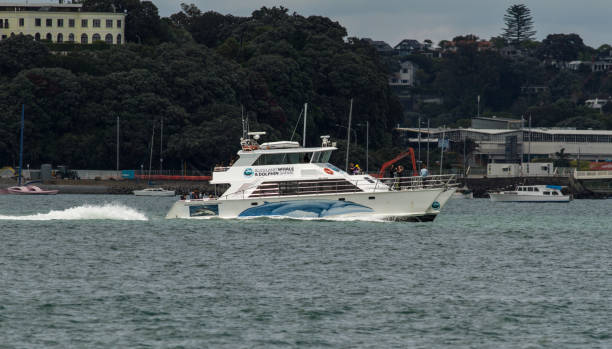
(343, 185)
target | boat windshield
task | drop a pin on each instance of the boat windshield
(293, 158)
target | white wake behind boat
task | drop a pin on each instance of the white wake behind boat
(282, 179)
(154, 192)
(531, 193)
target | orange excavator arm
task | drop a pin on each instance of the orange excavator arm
(410, 152)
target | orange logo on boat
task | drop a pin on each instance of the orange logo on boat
(328, 171)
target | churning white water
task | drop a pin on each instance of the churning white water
(109, 211)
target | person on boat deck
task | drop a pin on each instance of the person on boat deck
(356, 169)
(424, 171)
(351, 168)
(392, 170)
(182, 196)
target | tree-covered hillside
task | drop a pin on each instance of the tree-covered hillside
(208, 68)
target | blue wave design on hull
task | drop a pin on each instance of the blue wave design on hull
(305, 209)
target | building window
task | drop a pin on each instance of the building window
(37, 37)
(84, 23)
(96, 23)
(49, 22)
(71, 23)
(70, 37)
(1, 23)
(118, 39)
(37, 22)
(3, 37)
(60, 22)
(21, 22)
(6, 23)
(95, 37)
(118, 23)
(84, 39)
(60, 37)
(108, 39)
(49, 37)
(109, 23)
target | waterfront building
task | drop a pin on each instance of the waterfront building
(530, 143)
(59, 22)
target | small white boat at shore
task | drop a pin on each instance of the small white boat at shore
(154, 192)
(531, 193)
(29, 190)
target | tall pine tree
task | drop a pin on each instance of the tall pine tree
(519, 25)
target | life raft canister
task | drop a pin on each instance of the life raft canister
(328, 171)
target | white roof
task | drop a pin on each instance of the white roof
(552, 131)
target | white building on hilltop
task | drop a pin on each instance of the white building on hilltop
(59, 22)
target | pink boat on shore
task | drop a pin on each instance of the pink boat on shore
(29, 190)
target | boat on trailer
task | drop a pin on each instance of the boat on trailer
(284, 179)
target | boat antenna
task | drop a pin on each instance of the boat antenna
(21, 143)
(305, 118)
(348, 136)
(244, 123)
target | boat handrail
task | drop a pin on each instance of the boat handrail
(344, 185)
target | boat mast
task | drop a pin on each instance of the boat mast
(305, 117)
(442, 151)
(161, 145)
(348, 136)
(151, 156)
(117, 145)
(21, 144)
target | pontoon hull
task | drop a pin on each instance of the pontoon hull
(407, 205)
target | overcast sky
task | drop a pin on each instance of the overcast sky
(394, 20)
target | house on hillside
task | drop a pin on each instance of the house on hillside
(405, 76)
(380, 46)
(407, 47)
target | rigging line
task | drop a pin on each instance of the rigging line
(296, 124)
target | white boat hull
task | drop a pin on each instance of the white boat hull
(508, 197)
(405, 205)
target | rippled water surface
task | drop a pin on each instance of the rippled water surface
(110, 272)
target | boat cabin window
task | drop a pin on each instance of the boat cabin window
(283, 158)
(536, 189)
(546, 193)
(555, 193)
(529, 189)
(520, 189)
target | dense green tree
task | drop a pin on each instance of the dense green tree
(519, 24)
(562, 47)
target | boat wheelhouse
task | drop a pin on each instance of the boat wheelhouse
(288, 180)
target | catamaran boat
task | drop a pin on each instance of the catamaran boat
(154, 192)
(284, 179)
(531, 193)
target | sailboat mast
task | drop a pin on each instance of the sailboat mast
(21, 143)
(151, 156)
(161, 146)
(305, 118)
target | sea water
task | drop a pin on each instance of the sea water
(79, 271)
